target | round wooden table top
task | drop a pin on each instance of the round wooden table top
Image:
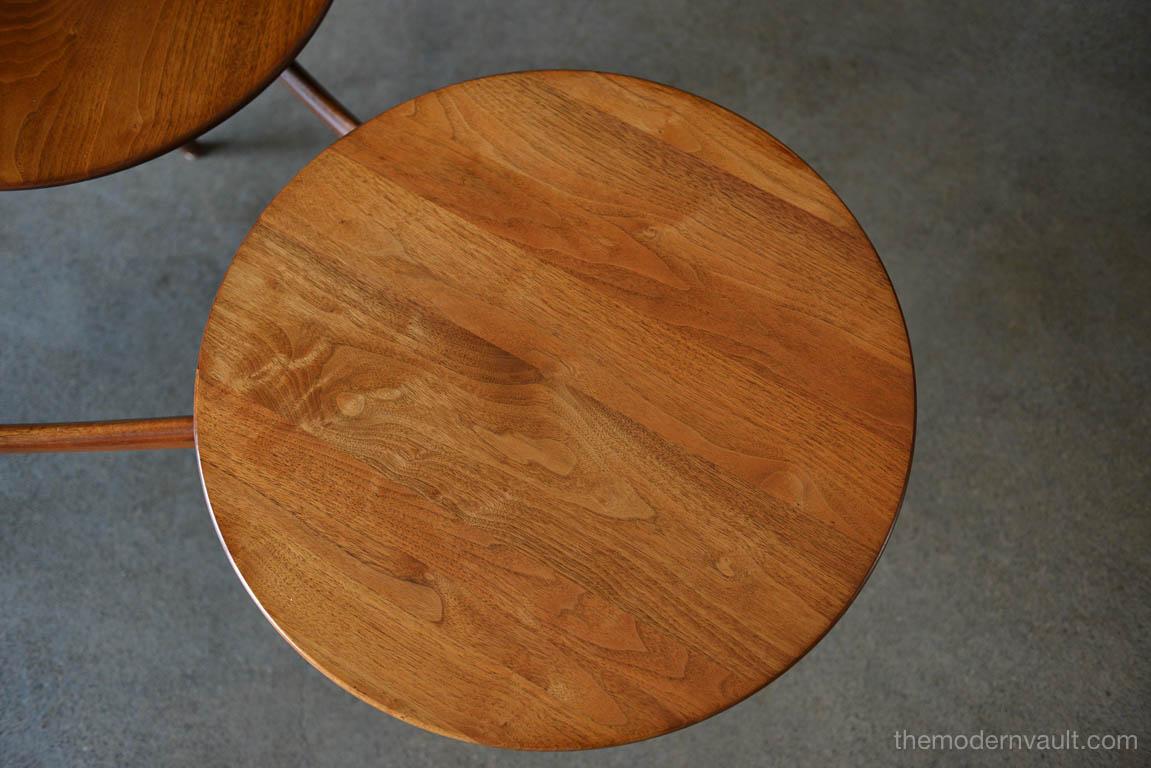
(88, 87)
(555, 410)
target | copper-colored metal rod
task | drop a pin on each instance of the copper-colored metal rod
(332, 112)
(127, 435)
(193, 150)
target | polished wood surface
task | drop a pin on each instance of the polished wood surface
(323, 105)
(125, 435)
(88, 87)
(555, 410)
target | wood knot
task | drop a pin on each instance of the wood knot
(350, 403)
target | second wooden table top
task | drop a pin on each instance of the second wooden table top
(88, 87)
(555, 410)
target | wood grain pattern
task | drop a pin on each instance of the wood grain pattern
(555, 410)
(88, 87)
(123, 435)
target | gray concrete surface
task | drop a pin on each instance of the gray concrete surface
(997, 153)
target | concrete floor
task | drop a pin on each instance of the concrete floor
(997, 156)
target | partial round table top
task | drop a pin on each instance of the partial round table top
(555, 410)
(88, 87)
